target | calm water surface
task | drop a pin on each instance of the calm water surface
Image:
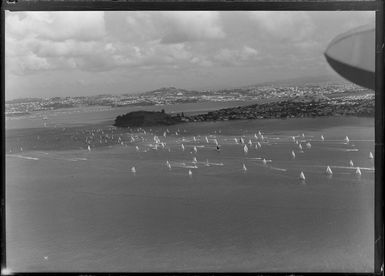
(78, 210)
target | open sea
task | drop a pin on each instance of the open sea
(83, 196)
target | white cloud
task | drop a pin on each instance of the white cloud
(237, 57)
(191, 26)
(283, 26)
(167, 46)
(57, 26)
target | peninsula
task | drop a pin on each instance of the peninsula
(293, 107)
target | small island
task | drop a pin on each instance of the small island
(146, 118)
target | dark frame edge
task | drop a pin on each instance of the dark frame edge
(2, 81)
(379, 142)
(218, 5)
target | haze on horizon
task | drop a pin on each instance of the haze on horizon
(50, 54)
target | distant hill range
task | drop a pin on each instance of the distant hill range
(170, 91)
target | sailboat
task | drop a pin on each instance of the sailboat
(264, 161)
(371, 155)
(250, 143)
(182, 146)
(245, 149)
(351, 164)
(195, 149)
(358, 171)
(168, 164)
(301, 176)
(89, 148)
(346, 140)
(195, 160)
(207, 140)
(308, 145)
(300, 146)
(133, 170)
(293, 154)
(259, 145)
(244, 167)
(322, 138)
(190, 173)
(329, 171)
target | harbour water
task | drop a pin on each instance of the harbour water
(73, 209)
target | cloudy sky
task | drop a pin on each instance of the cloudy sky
(87, 53)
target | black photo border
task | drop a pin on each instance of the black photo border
(223, 5)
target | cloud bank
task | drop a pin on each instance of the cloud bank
(144, 50)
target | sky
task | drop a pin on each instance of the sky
(81, 53)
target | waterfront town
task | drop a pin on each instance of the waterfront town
(274, 101)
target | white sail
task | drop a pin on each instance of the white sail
(244, 167)
(300, 146)
(371, 155)
(329, 171)
(322, 138)
(195, 160)
(259, 145)
(207, 140)
(182, 146)
(245, 149)
(302, 176)
(236, 141)
(133, 170)
(89, 148)
(351, 164)
(195, 149)
(293, 154)
(358, 171)
(264, 161)
(189, 172)
(347, 139)
(250, 143)
(242, 141)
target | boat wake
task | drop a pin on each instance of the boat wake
(24, 157)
